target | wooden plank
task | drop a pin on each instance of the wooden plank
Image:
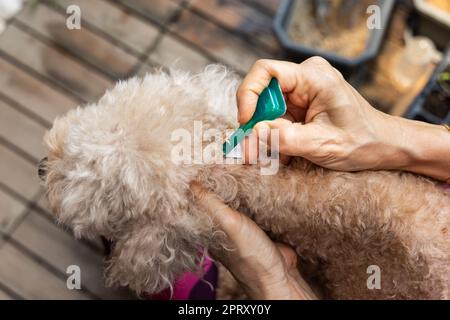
(240, 18)
(21, 131)
(18, 174)
(218, 42)
(4, 295)
(116, 23)
(159, 11)
(144, 69)
(61, 250)
(271, 6)
(55, 64)
(171, 52)
(42, 204)
(83, 43)
(30, 279)
(32, 94)
(11, 210)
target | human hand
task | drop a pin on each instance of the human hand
(264, 269)
(329, 123)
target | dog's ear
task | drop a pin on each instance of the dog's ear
(149, 258)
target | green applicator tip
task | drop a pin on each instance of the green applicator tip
(270, 106)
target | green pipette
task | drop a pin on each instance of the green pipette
(270, 106)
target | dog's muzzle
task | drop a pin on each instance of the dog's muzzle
(42, 169)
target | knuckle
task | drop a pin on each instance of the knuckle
(339, 74)
(317, 60)
(329, 79)
(328, 75)
(262, 63)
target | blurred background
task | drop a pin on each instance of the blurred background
(55, 55)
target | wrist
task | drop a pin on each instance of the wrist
(384, 147)
(417, 147)
(395, 141)
(430, 150)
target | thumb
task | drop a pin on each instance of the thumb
(288, 254)
(293, 139)
(228, 219)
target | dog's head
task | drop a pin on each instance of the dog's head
(109, 172)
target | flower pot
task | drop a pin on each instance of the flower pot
(433, 22)
(349, 66)
(432, 104)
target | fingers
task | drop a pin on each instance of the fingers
(255, 261)
(258, 78)
(300, 84)
(288, 254)
(251, 143)
(227, 218)
(295, 113)
(251, 149)
(264, 134)
(295, 139)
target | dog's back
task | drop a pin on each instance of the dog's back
(351, 229)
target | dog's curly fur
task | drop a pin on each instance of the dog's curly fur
(109, 172)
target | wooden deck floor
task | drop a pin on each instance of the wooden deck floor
(46, 69)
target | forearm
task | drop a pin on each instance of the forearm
(422, 148)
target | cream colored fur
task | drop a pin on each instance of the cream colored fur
(110, 173)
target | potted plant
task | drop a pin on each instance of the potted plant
(336, 30)
(432, 104)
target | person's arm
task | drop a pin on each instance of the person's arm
(329, 123)
(425, 148)
(265, 270)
